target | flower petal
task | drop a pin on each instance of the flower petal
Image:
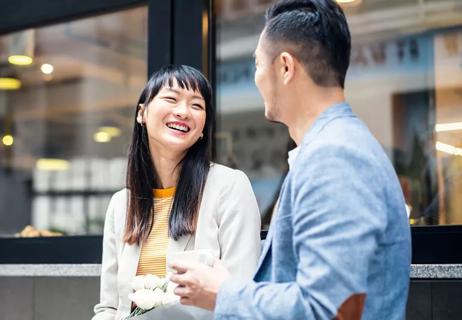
(151, 281)
(144, 298)
(137, 283)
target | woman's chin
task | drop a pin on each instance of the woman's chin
(179, 144)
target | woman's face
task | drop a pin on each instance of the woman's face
(174, 119)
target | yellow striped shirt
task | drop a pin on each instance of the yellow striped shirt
(153, 256)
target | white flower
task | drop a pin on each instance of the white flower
(152, 281)
(147, 299)
(170, 298)
(171, 287)
(138, 283)
(158, 296)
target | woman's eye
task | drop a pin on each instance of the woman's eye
(170, 99)
(198, 106)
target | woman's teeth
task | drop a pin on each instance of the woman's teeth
(178, 127)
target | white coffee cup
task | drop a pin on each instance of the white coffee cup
(203, 256)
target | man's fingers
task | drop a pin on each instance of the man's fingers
(182, 291)
(181, 279)
(176, 279)
(186, 301)
(180, 266)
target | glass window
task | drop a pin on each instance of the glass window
(245, 140)
(67, 94)
(404, 81)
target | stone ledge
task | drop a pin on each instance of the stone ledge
(436, 271)
(418, 271)
(50, 270)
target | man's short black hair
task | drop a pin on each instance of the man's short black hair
(316, 33)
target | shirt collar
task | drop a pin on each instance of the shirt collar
(292, 156)
(332, 112)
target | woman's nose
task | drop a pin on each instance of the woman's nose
(182, 111)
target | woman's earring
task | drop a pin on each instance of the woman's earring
(140, 115)
(202, 135)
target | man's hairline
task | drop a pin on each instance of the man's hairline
(277, 52)
(279, 45)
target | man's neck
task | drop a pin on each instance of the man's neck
(313, 104)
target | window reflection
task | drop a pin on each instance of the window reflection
(405, 82)
(65, 124)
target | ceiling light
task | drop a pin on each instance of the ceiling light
(451, 126)
(49, 164)
(20, 60)
(102, 137)
(111, 131)
(20, 47)
(8, 140)
(9, 83)
(47, 68)
(447, 148)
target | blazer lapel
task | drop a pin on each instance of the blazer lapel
(128, 266)
(182, 244)
(266, 246)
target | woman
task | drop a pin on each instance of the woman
(176, 199)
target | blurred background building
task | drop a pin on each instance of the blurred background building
(71, 73)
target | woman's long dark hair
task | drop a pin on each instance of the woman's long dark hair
(194, 167)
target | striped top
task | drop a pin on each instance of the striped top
(153, 256)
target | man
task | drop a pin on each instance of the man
(339, 245)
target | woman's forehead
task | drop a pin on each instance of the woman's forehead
(175, 87)
(182, 83)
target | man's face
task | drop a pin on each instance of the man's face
(265, 79)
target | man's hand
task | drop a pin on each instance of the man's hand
(198, 284)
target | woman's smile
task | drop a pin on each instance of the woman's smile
(178, 127)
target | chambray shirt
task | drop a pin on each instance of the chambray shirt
(340, 243)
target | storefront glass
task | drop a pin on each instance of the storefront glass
(67, 97)
(404, 81)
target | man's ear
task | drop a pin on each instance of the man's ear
(140, 117)
(287, 62)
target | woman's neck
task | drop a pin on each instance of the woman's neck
(167, 168)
